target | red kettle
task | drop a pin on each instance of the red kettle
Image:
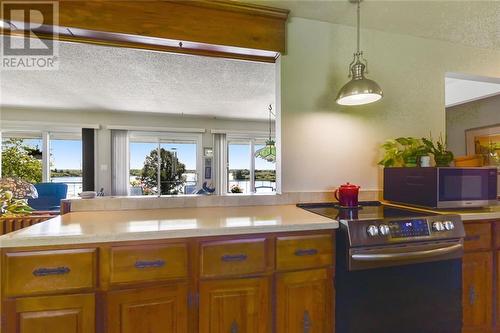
(347, 195)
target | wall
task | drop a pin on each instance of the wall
(324, 144)
(484, 112)
(105, 118)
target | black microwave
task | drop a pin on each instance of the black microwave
(442, 187)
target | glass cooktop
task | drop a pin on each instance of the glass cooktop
(366, 210)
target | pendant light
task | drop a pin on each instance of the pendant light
(268, 152)
(359, 90)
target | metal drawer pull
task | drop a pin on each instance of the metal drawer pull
(472, 295)
(234, 257)
(149, 264)
(408, 255)
(307, 322)
(306, 252)
(51, 271)
(234, 327)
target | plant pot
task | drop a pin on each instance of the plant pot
(411, 161)
(443, 160)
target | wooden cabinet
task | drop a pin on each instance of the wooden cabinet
(304, 302)
(64, 313)
(477, 292)
(250, 284)
(478, 236)
(130, 264)
(36, 272)
(148, 310)
(235, 306)
(233, 257)
(302, 252)
(477, 278)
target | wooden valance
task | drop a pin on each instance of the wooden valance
(217, 28)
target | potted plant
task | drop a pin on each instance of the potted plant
(403, 152)
(236, 189)
(442, 156)
(13, 207)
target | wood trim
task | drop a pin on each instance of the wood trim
(211, 28)
(9, 224)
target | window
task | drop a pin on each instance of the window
(164, 163)
(265, 173)
(183, 174)
(238, 167)
(247, 173)
(24, 156)
(140, 153)
(66, 161)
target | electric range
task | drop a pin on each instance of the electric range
(397, 269)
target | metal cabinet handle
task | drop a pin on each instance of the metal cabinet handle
(407, 255)
(306, 322)
(234, 257)
(234, 327)
(51, 271)
(149, 264)
(472, 295)
(306, 252)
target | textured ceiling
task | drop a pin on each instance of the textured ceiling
(472, 22)
(118, 79)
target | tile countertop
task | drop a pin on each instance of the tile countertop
(111, 226)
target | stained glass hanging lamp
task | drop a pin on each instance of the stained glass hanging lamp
(268, 152)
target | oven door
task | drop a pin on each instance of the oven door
(404, 254)
(414, 298)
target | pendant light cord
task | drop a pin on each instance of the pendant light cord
(270, 111)
(359, 23)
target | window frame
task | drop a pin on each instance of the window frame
(46, 136)
(159, 138)
(253, 139)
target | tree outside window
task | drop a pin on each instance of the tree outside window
(172, 179)
(21, 160)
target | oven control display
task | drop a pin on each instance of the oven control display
(409, 228)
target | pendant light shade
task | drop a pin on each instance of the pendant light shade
(359, 90)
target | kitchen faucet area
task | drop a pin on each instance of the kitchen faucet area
(240, 166)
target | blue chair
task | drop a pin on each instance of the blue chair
(49, 196)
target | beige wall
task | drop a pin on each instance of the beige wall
(324, 144)
(484, 112)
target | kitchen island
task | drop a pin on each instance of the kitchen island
(234, 269)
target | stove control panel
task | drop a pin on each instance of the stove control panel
(425, 227)
(409, 228)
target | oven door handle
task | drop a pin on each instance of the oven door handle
(408, 255)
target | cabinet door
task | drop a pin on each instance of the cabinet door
(65, 313)
(304, 302)
(235, 306)
(477, 295)
(148, 310)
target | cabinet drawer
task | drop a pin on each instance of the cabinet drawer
(49, 271)
(300, 252)
(245, 256)
(148, 263)
(477, 236)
